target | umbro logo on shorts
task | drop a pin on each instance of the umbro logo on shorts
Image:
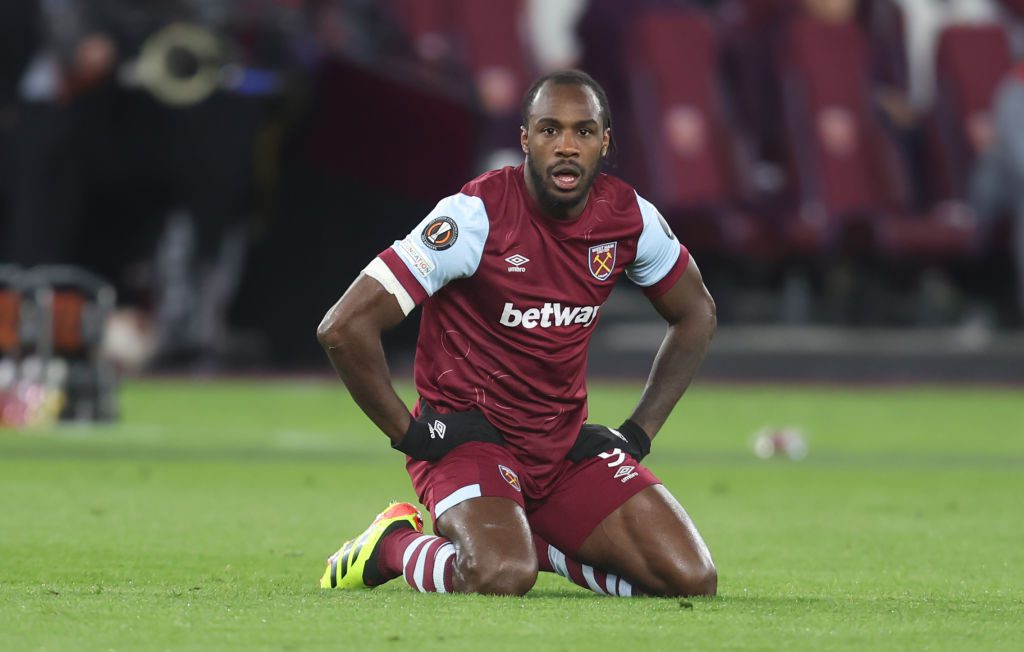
(626, 472)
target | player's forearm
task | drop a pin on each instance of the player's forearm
(359, 359)
(677, 362)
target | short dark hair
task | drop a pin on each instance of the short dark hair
(569, 78)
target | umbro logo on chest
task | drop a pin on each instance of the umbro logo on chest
(516, 263)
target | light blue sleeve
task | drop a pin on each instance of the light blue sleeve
(448, 244)
(658, 249)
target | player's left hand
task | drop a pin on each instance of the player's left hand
(595, 439)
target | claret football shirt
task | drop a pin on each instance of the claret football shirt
(511, 298)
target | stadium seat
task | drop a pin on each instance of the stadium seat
(493, 36)
(76, 303)
(433, 31)
(1014, 6)
(427, 24)
(73, 307)
(971, 61)
(10, 312)
(688, 164)
(853, 192)
(52, 321)
(23, 331)
(482, 38)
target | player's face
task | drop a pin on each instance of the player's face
(564, 143)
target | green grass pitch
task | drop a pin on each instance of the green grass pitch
(202, 521)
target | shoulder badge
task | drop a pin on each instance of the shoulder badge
(441, 233)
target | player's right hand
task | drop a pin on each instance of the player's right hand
(434, 435)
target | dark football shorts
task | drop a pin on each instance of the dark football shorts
(584, 494)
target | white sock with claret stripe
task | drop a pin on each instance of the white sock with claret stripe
(553, 560)
(427, 563)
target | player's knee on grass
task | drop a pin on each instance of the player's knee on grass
(677, 579)
(492, 574)
(495, 548)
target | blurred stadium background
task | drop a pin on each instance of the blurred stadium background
(228, 167)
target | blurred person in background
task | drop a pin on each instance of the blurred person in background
(498, 46)
(890, 95)
(552, 32)
(194, 134)
(923, 22)
(997, 180)
(485, 43)
(511, 272)
(18, 40)
(51, 119)
(133, 152)
(360, 30)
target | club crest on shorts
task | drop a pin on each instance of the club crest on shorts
(510, 477)
(601, 260)
(441, 233)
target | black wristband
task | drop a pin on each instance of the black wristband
(416, 441)
(433, 435)
(636, 436)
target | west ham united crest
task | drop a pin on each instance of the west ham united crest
(510, 477)
(601, 260)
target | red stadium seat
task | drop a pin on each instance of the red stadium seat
(1015, 6)
(497, 54)
(687, 163)
(483, 38)
(971, 61)
(482, 41)
(852, 189)
(10, 318)
(422, 18)
(10, 312)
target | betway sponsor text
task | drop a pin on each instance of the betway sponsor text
(548, 315)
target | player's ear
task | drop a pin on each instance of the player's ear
(524, 137)
(606, 140)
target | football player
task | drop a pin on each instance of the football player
(511, 274)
